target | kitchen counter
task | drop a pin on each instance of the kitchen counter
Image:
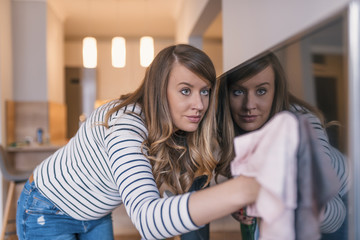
(34, 148)
(28, 157)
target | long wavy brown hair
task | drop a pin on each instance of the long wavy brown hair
(177, 157)
(226, 127)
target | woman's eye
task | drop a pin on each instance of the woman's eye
(205, 92)
(261, 91)
(238, 92)
(185, 91)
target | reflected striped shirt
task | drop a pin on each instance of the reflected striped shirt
(335, 211)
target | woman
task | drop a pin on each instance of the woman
(159, 137)
(251, 94)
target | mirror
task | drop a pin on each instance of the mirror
(321, 65)
(316, 69)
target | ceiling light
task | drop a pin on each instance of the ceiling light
(146, 51)
(89, 52)
(118, 52)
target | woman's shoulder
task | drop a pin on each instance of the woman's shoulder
(133, 108)
(296, 108)
(301, 110)
(131, 111)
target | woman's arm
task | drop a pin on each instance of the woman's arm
(159, 218)
(333, 215)
(222, 199)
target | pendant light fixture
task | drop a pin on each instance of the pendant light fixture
(118, 52)
(146, 51)
(89, 52)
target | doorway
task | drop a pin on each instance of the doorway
(73, 99)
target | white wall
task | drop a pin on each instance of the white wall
(249, 26)
(194, 19)
(55, 57)
(187, 19)
(29, 20)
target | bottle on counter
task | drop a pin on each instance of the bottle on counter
(39, 136)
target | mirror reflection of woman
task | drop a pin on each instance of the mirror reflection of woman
(247, 98)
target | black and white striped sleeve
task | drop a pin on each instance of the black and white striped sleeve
(154, 217)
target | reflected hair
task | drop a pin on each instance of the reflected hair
(177, 157)
(227, 129)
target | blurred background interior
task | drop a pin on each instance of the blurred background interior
(46, 90)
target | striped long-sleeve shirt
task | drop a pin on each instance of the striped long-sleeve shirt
(335, 211)
(101, 168)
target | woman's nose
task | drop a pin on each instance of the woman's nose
(198, 102)
(250, 102)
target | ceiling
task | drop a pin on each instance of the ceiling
(128, 18)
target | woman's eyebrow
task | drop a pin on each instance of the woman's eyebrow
(264, 83)
(185, 83)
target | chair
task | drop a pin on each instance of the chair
(13, 177)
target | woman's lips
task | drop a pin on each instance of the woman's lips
(194, 119)
(248, 118)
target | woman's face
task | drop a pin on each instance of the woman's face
(188, 98)
(251, 100)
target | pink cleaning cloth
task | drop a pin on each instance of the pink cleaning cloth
(269, 154)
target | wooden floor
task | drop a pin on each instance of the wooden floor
(213, 236)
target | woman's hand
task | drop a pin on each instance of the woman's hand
(242, 217)
(223, 199)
